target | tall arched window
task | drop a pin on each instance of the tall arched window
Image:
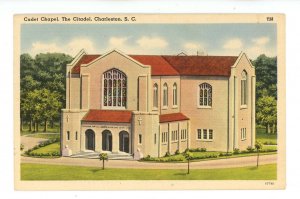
(155, 96)
(165, 95)
(205, 95)
(114, 88)
(174, 94)
(244, 88)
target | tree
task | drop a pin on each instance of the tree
(103, 157)
(266, 76)
(267, 112)
(44, 76)
(188, 156)
(258, 147)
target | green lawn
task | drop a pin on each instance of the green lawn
(54, 147)
(59, 172)
(265, 138)
(55, 129)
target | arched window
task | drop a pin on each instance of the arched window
(165, 95)
(114, 88)
(244, 88)
(205, 95)
(174, 94)
(155, 96)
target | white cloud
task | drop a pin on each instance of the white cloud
(261, 41)
(152, 42)
(76, 44)
(192, 48)
(232, 44)
(116, 42)
(71, 48)
(40, 47)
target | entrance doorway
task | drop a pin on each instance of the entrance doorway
(106, 140)
(90, 140)
(124, 141)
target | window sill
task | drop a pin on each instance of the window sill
(175, 107)
(164, 108)
(205, 140)
(244, 107)
(154, 109)
(175, 141)
(204, 107)
(243, 139)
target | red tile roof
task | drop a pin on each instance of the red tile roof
(159, 66)
(108, 116)
(172, 117)
(85, 59)
(177, 65)
(202, 65)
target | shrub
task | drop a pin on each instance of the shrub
(177, 152)
(21, 147)
(225, 154)
(250, 149)
(236, 151)
(167, 154)
(186, 150)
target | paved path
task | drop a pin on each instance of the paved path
(30, 142)
(209, 164)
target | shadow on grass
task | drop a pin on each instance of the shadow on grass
(97, 170)
(181, 174)
(253, 168)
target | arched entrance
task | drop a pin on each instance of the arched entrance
(106, 140)
(90, 140)
(124, 141)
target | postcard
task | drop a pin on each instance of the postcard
(149, 101)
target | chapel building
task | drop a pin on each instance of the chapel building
(154, 104)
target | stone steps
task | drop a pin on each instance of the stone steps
(95, 155)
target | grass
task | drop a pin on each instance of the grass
(54, 147)
(55, 129)
(263, 137)
(60, 172)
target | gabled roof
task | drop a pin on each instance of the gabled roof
(176, 65)
(172, 117)
(159, 66)
(108, 116)
(85, 59)
(202, 65)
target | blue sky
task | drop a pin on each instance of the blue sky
(211, 39)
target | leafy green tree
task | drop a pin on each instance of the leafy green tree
(44, 76)
(266, 91)
(267, 114)
(188, 156)
(258, 147)
(103, 157)
(266, 76)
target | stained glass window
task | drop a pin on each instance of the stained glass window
(205, 95)
(155, 96)
(244, 88)
(114, 88)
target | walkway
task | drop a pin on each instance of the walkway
(209, 164)
(30, 142)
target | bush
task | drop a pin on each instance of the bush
(43, 144)
(236, 151)
(167, 154)
(22, 147)
(198, 150)
(225, 154)
(186, 150)
(250, 149)
(177, 152)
